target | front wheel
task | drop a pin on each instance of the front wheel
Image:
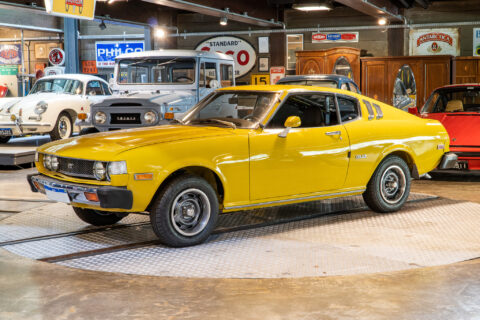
(5, 139)
(185, 212)
(97, 217)
(63, 127)
(389, 187)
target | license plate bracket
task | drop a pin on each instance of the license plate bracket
(461, 165)
(6, 132)
(57, 194)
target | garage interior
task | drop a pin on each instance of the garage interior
(329, 259)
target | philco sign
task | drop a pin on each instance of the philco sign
(330, 37)
(242, 52)
(434, 41)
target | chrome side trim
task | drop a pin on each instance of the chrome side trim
(345, 193)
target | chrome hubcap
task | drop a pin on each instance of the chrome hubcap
(190, 212)
(393, 183)
(64, 127)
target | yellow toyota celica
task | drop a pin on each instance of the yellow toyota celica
(243, 148)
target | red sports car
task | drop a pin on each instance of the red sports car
(457, 107)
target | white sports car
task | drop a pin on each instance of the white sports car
(51, 106)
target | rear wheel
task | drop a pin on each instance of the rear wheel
(389, 187)
(4, 139)
(185, 212)
(63, 127)
(97, 217)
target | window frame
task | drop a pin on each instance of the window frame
(100, 86)
(357, 103)
(286, 53)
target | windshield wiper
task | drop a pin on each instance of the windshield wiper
(227, 123)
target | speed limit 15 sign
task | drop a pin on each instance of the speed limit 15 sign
(260, 79)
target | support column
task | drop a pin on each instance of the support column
(72, 61)
(148, 38)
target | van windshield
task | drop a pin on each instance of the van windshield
(168, 70)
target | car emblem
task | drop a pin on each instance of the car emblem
(70, 165)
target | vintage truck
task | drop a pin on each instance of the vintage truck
(155, 86)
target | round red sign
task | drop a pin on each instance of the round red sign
(56, 57)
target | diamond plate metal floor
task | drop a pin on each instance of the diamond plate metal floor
(332, 237)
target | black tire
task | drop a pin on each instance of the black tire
(89, 130)
(63, 127)
(98, 218)
(389, 187)
(198, 203)
(5, 139)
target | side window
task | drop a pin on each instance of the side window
(344, 86)
(379, 111)
(106, 89)
(211, 75)
(371, 115)
(352, 87)
(314, 110)
(94, 88)
(201, 78)
(226, 75)
(348, 108)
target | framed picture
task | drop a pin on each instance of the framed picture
(263, 46)
(41, 51)
(263, 64)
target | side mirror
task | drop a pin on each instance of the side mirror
(291, 122)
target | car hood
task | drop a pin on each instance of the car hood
(106, 146)
(30, 101)
(462, 127)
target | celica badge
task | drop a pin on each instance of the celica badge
(361, 156)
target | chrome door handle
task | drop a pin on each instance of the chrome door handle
(334, 133)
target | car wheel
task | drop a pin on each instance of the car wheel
(97, 217)
(185, 212)
(63, 127)
(389, 187)
(5, 139)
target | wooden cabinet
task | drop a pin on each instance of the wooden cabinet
(466, 70)
(379, 74)
(324, 61)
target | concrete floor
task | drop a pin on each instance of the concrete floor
(36, 290)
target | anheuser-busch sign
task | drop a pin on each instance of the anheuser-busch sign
(243, 53)
(443, 41)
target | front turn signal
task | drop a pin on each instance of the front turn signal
(82, 116)
(143, 176)
(168, 115)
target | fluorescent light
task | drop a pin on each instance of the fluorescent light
(308, 5)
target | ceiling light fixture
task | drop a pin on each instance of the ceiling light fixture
(160, 33)
(223, 21)
(312, 5)
(382, 21)
(102, 25)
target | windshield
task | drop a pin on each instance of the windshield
(454, 100)
(156, 71)
(58, 85)
(316, 83)
(240, 109)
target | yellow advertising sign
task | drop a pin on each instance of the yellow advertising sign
(80, 9)
(260, 79)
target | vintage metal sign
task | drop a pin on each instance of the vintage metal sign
(8, 70)
(10, 54)
(434, 42)
(56, 56)
(476, 42)
(331, 37)
(276, 73)
(243, 52)
(79, 9)
(107, 51)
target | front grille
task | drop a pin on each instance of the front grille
(125, 118)
(76, 167)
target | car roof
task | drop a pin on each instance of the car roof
(459, 85)
(75, 76)
(288, 88)
(175, 53)
(335, 77)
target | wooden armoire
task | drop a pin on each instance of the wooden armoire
(466, 70)
(379, 74)
(323, 61)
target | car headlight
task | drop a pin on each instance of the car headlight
(99, 170)
(150, 117)
(54, 163)
(100, 117)
(47, 161)
(117, 167)
(41, 107)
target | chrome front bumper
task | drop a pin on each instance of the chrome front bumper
(109, 197)
(21, 128)
(448, 161)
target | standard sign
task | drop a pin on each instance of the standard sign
(434, 42)
(243, 53)
(107, 51)
(476, 42)
(331, 37)
(79, 9)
